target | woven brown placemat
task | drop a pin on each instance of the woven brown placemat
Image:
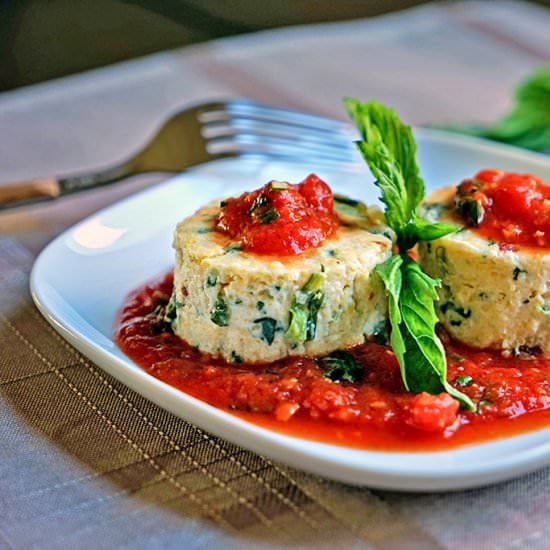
(86, 459)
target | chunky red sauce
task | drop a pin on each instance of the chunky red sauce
(293, 396)
(509, 208)
(280, 218)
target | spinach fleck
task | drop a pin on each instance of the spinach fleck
(380, 333)
(463, 381)
(471, 210)
(220, 312)
(170, 312)
(269, 328)
(268, 216)
(464, 313)
(342, 367)
(517, 272)
(305, 309)
(236, 358)
(212, 278)
(237, 247)
(258, 202)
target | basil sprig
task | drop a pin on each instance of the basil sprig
(389, 150)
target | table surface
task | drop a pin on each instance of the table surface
(84, 460)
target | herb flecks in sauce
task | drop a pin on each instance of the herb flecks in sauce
(515, 208)
(280, 218)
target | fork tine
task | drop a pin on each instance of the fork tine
(251, 112)
(244, 127)
(245, 107)
(214, 128)
(296, 146)
(314, 161)
(280, 149)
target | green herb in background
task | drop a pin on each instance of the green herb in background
(527, 125)
(389, 149)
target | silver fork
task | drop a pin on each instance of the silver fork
(205, 133)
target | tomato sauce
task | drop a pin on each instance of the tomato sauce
(512, 394)
(280, 218)
(512, 209)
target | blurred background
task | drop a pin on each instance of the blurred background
(45, 39)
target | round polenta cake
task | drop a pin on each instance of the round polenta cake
(491, 296)
(249, 307)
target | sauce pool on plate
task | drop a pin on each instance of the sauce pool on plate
(293, 395)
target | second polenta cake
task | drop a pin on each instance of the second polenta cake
(495, 290)
(252, 307)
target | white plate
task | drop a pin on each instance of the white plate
(80, 280)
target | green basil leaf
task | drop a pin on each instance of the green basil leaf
(390, 273)
(423, 230)
(389, 149)
(419, 352)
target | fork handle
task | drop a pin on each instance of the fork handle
(40, 189)
(13, 194)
